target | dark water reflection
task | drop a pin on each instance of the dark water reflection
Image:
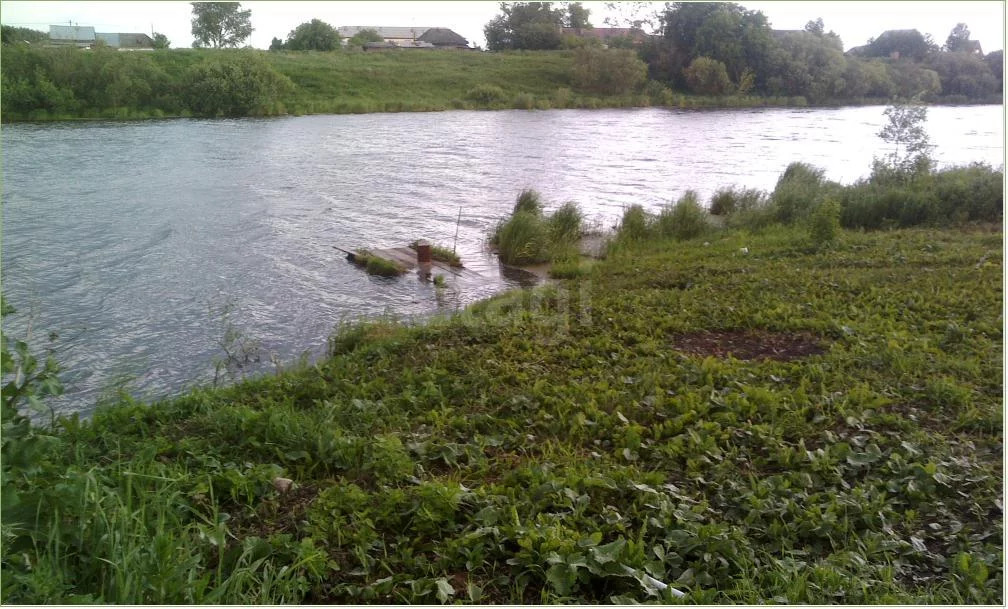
(131, 240)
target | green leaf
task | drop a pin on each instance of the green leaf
(444, 590)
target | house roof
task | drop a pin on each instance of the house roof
(349, 31)
(71, 33)
(441, 36)
(126, 40)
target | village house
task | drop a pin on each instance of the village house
(85, 37)
(407, 37)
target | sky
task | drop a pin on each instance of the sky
(855, 22)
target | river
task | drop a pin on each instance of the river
(139, 243)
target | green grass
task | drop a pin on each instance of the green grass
(376, 265)
(442, 254)
(83, 86)
(569, 445)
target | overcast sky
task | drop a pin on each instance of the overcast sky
(855, 22)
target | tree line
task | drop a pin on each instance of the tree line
(721, 48)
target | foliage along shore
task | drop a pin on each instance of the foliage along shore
(778, 411)
(44, 84)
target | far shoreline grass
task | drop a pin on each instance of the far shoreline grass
(409, 81)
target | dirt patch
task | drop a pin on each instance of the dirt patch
(749, 345)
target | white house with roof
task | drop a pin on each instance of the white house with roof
(71, 36)
(85, 37)
(408, 37)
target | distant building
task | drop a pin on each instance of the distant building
(443, 38)
(85, 37)
(71, 36)
(606, 33)
(407, 37)
(124, 42)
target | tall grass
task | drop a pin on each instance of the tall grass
(530, 237)
(945, 197)
(686, 219)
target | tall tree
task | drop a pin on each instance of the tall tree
(314, 35)
(220, 24)
(365, 36)
(726, 32)
(816, 27)
(958, 39)
(525, 25)
(161, 41)
(576, 16)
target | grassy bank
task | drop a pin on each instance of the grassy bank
(779, 423)
(64, 84)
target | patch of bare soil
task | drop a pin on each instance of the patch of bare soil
(749, 345)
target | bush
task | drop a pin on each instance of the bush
(824, 225)
(486, 94)
(686, 219)
(727, 201)
(607, 71)
(236, 84)
(524, 101)
(974, 192)
(798, 190)
(706, 76)
(635, 224)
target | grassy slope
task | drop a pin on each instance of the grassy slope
(529, 451)
(415, 80)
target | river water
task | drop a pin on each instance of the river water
(140, 243)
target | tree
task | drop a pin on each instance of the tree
(707, 76)
(161, 41)
(13, 35)
(276, 44)
(365, 36)
(607, 71)
(958, 39)
(525, 25)
(314, 35)
(726, 32)
(816, 27)
(577, 16)
(220, 24)
(905, 131)
(901, 44)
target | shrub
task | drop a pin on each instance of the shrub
(686, 219)
(824, 225)
(607, 71)
(486, 94)
(974, 192)
(233, 85)
(798, 190)
(524, 101)
(727, 201)
(706, 76)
